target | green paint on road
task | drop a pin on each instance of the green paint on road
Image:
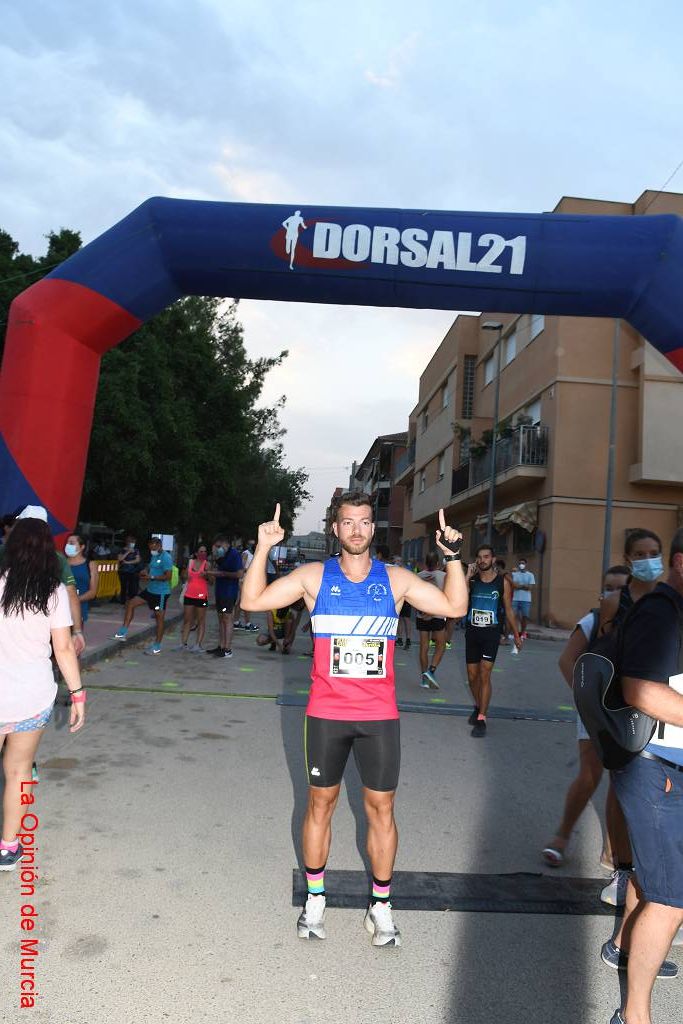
(565, 707)
(170, 683)
(247, 668)
(131, 663)
(303, 691)
(437, 700)
(184, 693)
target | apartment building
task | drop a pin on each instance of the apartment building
(552, 442)
(375, 476)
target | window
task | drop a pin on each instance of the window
(536, 326)
(423, 481)
(445, 393)
(469, 372)
(533, 411)
(522, 540)
(442, 465)
(489, 370)
(425, 420)
(510, 350)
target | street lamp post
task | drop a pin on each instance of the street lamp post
(490, 325)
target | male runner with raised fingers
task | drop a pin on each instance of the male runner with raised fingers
(354, 603)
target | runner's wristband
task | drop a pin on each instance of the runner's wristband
(454, 547)
(451, 558)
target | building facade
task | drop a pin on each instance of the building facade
(552, 444)
(375, 476)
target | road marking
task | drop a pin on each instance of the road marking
(184, 693)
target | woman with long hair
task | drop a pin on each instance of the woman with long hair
(34, 613)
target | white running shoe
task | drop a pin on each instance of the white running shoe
(380, 924)
(196, 649)
(514, 649)
(311, 923)
(614, 893)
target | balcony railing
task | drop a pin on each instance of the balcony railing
(405, 461)
(527, 446)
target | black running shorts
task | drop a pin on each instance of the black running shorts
(376, 749)
(481, 644)
(430, 625)
(155, 602)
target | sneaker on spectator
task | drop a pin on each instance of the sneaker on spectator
(614, 893)
(614, 957)
(121, 634)
(251, 628)
(152, 649)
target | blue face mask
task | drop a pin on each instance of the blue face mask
(219, 552)
(71, 550)
(647, 569)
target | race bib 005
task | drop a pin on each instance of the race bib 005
(358, 657)
(481, 618)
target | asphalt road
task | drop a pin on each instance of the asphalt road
(168, 837)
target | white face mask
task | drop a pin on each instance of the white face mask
(522, 566)
(71, 550)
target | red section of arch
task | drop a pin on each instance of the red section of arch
(56, 335)
(676, 357)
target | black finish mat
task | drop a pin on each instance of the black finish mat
(522, 893)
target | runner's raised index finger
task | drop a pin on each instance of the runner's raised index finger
(276, 517)
(442, 521)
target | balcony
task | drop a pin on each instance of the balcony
(524, 451)
(404, 464)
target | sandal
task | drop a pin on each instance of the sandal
(553, 856)
(554, 853)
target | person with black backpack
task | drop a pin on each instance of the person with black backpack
(590, 768)
(643, 559)
(649, 787)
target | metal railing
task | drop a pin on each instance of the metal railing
(525, 446)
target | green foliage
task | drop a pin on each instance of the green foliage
(179, 443)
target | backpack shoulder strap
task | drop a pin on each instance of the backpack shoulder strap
(595, 629)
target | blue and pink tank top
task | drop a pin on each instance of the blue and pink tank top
(354, 625)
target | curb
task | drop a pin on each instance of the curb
(110, 647)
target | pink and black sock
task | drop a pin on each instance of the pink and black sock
(10, 847)
(315, 880)
(381, 891)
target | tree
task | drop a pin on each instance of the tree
(179, 442)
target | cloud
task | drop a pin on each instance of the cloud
(434, 106)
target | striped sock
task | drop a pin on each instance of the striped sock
(315, 880)
(10, 847)
(381, 891)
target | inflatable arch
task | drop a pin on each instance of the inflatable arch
(630, 267)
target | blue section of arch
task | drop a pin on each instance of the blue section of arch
(629, 267)
(17, 491)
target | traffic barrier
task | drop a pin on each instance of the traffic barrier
(108, 582)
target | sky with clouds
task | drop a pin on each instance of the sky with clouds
(443, 105)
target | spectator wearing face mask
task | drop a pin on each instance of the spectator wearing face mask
(157, 581)
(130, 564)
(227, 571)
(84, 573)
(522, 582)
